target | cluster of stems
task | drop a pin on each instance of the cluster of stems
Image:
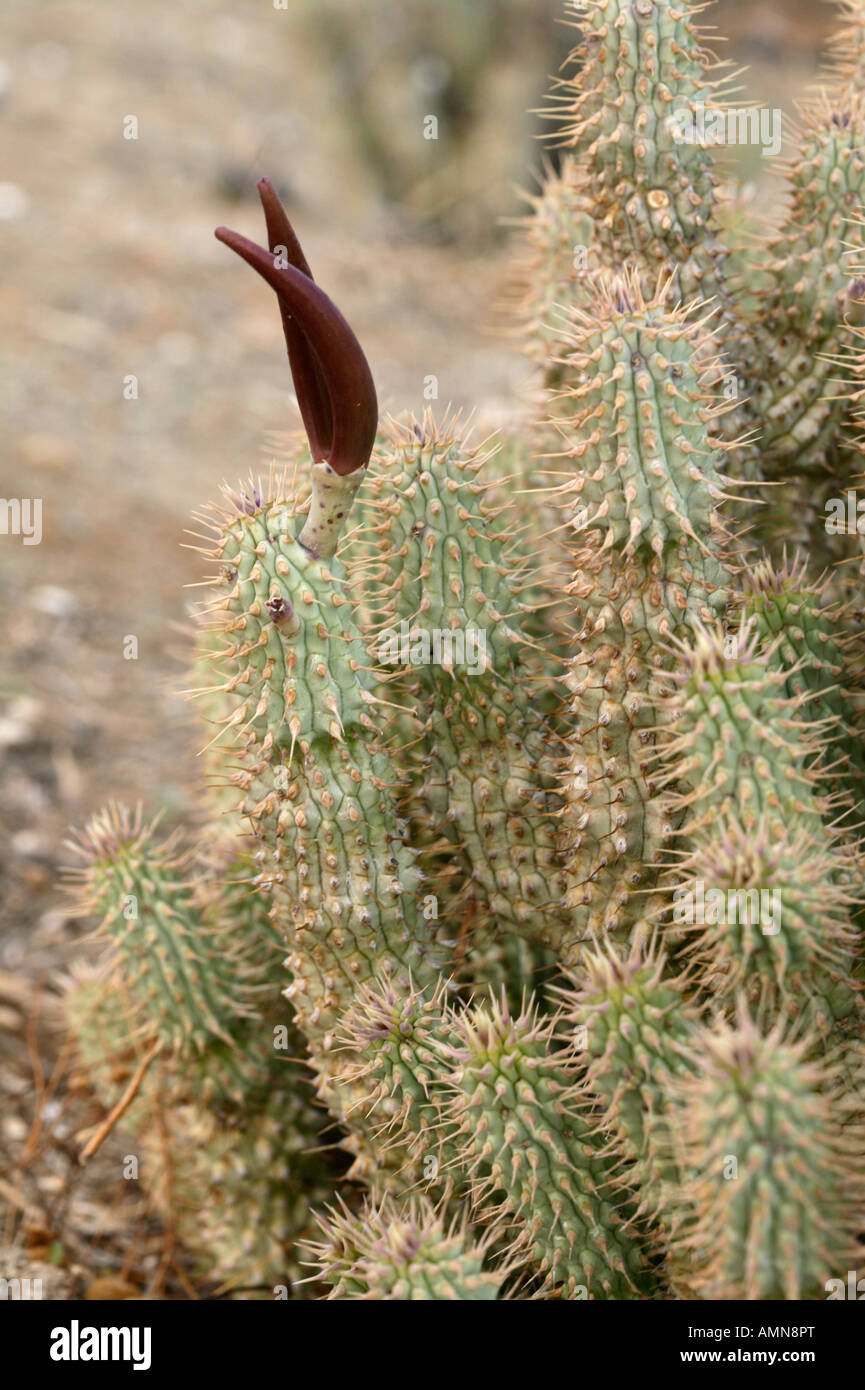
(534, 891)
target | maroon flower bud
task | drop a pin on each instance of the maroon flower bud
(334, 385)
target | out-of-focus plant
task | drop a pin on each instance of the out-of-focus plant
(432, 97)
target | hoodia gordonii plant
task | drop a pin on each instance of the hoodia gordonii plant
(530, 909)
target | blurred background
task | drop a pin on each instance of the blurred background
(142, 364)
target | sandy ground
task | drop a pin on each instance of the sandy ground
(111, 272)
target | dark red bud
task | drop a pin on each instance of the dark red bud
(334, 385)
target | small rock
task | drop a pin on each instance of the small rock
(108, 1290)
(13, 202)
(14, 733)
(31, 844)
(27, 709)
(14, 1128)
(55, 602)
(51, 926)
(51, 1182)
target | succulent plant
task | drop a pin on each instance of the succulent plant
(537, 792)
